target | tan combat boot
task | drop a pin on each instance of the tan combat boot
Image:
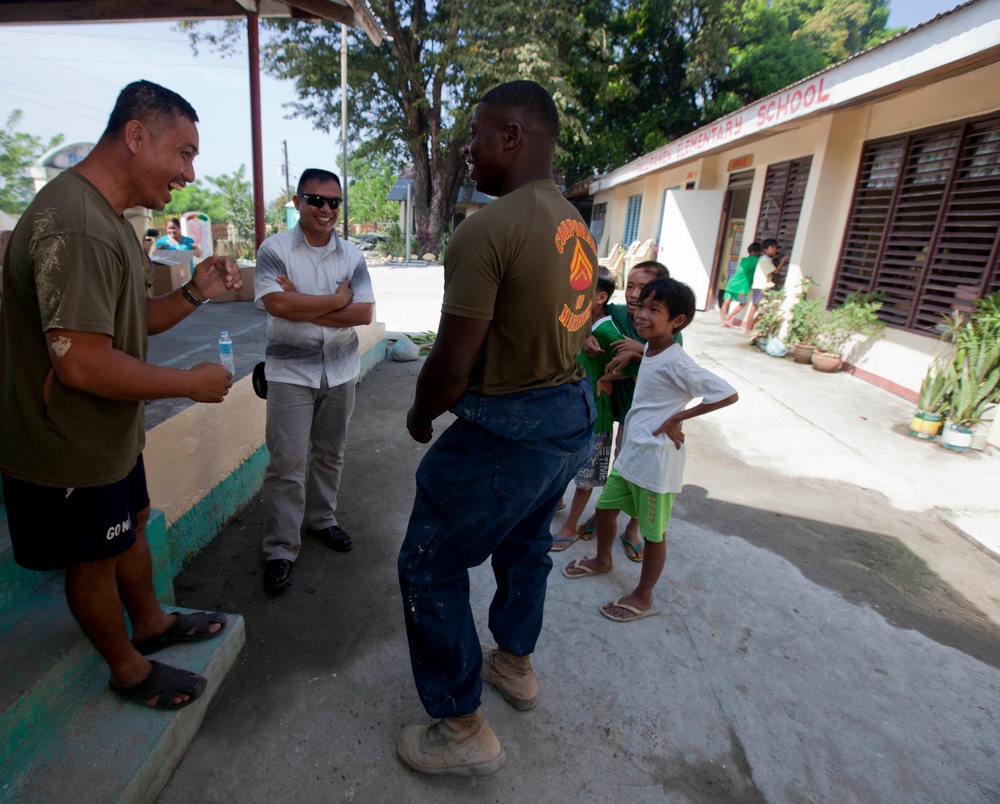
(459, 746)
(512, 676)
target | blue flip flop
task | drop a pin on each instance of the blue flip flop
(560, 543)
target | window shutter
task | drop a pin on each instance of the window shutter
(781, 205)
(924, 227)
(632, 220)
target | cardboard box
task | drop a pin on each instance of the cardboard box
(246, 294)
(168, 277)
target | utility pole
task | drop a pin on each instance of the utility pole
(288, 184)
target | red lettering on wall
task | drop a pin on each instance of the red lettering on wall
(822, 98)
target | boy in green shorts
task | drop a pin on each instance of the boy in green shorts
(649, 471)
(595, 471)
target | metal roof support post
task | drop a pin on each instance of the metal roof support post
(253, 60)
(408, 218)
(343, 118)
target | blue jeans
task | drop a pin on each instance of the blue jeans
(487, 487)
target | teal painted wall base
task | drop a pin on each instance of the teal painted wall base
(372, 358)
(159, 550)
(190, 534)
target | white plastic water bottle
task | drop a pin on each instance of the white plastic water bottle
(226, 352)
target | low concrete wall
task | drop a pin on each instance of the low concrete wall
(207, 462)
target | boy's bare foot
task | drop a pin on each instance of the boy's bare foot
(635, 545)
(584, 567)
(563, 539)
(629, 607)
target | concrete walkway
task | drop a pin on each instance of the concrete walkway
(830, 633)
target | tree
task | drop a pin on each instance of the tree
(17, 151)
(196, 197)
(237, 201)
(626, 60)
(413, 97)
(369, 183)
(274, 215)
(756, 47)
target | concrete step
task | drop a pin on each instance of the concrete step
(66, 735)
(43, 653)
(16, 583)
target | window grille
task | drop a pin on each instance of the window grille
(632, 220)
(781, 204)
(924, 227)
(597, 218)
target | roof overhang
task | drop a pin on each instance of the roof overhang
(353, 13)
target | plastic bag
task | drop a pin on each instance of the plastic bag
(404, 350)
(775, 347)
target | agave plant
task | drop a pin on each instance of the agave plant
(937, 387)
(977, 379)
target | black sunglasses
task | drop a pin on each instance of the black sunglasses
(314, 200)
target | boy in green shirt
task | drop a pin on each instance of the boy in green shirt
(595, 471)
(738, 288)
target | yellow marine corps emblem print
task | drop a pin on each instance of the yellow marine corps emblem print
(581, 272)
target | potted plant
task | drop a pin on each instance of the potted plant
(803, 322)
(932, 401)
(974, 340)
(857, 317)
(803, 327)
(770, 317)
(976, 386)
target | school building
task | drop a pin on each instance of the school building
(881, 173)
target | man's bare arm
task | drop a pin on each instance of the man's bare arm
(353, 315)
(211, 279)
(87, 361)
(288, 303)
(445, 373)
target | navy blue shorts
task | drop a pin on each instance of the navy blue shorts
(53, 528)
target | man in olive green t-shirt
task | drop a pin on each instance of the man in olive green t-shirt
(74, 377)
(519, 279)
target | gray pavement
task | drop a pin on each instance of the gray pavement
(830, 631)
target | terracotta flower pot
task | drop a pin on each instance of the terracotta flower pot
(803, 352)
(821, 361)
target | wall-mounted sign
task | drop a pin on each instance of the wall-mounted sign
(739, 163)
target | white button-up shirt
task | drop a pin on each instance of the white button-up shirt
(300, 352)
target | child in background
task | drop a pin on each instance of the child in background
(649, 471)
(738, 288)
(595, 471)
(764, 275)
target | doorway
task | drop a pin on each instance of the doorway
(732, 247)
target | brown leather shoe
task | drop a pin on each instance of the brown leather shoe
(456, 746)
(512, 676)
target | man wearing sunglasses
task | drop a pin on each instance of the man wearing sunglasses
(316, 288)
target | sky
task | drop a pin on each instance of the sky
(65, 78)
